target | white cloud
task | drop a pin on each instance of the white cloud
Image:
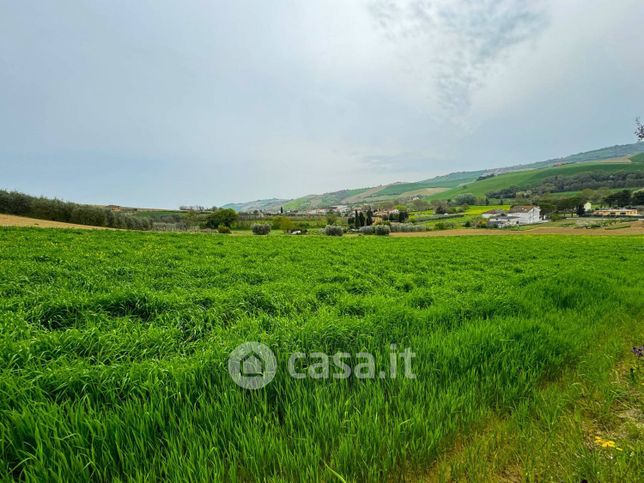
(454, 44)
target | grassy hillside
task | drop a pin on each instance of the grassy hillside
(529, 178)
(270, 204)
(444, 187)
(323, 201)
(638, 158)
(114, 349)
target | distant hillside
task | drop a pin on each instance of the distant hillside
(270, 204)
(614, 158)
(530, 178)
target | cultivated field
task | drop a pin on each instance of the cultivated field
(114, 349)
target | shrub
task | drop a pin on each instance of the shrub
(261, 228)
(406, 227)
(382, 230)
(333, 230)
(444, 225)
(221, 216)
(283, 223)
(223, 229)
(366, 230)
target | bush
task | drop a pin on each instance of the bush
(333, 230)
(260, 228)
(406, 227)
(221, 216)
(478, 222)
(443, 225)
(224, 229)
(382, 230)
(366, 230)
(283, 223)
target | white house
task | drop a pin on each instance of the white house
(526, 214)
(518, 215)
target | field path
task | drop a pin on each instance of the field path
(636, 228)
(12, 220)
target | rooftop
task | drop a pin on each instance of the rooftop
(522, 208)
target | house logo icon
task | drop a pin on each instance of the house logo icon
(252, 365)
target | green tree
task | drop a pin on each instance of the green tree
(465, 199)
(618, 199)
(547, 207)
(221, 216)
(420, 204)
(369, 220)
(286, 224)
(638, 198)
(588, 194)
(568, 205)
(581, 211)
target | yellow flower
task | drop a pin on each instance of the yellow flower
(606, 443)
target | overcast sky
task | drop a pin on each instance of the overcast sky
(160, 103)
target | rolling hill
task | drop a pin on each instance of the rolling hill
(628, 158)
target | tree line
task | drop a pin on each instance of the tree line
(575, 204)
(20, 204)
(578, 182)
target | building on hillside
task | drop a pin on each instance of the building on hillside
(518, 215)
(341, 209)
(317, 211)
(384, 214)
(113, 207)
(617, 212)
(527, 214)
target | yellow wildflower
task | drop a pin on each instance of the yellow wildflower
(606, 443)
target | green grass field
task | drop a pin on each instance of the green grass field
(114, 349)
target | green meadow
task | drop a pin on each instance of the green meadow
(114, 349)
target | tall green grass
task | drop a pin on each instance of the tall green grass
(114, 346)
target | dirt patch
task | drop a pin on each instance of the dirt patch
(11, 220)
(637, 228)
(622, 160)
(425, 191)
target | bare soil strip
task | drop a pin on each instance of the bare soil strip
(636, 228)
(11, 220)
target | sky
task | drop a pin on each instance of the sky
(160, 103)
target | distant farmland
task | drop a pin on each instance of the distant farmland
(115, 344)
(530, 178)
